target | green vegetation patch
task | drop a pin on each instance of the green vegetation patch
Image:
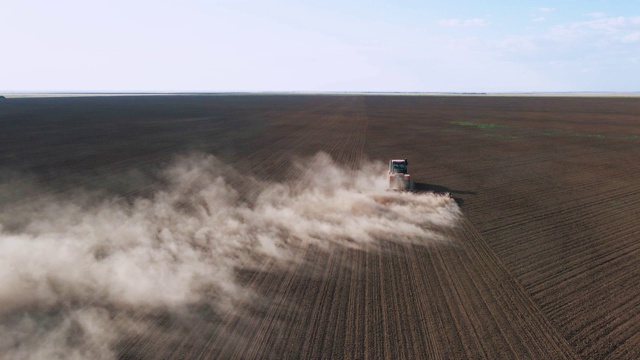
(571, 133)
(595, 136)
(616, 204)
(502, 136)
(478, 125)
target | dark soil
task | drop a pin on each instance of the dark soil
(547, 260)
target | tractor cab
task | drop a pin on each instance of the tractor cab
(398, 166)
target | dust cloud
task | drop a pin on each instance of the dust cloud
(73, 270)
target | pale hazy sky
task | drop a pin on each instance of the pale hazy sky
(374, 45)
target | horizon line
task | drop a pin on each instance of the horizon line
(26, 94)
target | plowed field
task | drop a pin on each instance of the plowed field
(544, 262)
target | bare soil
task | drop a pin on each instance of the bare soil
(545, 263)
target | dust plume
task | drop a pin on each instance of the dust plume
(73, 270)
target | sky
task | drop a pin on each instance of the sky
(320, 46)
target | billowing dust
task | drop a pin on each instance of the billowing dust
(70, 269)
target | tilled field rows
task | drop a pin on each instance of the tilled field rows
(560, 221)
(588, 286)
(442, 302)
(341, 134)
(340, 131)
(445, 301)
(551, 184)
(543, 265)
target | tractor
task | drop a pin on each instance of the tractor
(399, 179)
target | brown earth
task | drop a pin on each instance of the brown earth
(545, 263)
